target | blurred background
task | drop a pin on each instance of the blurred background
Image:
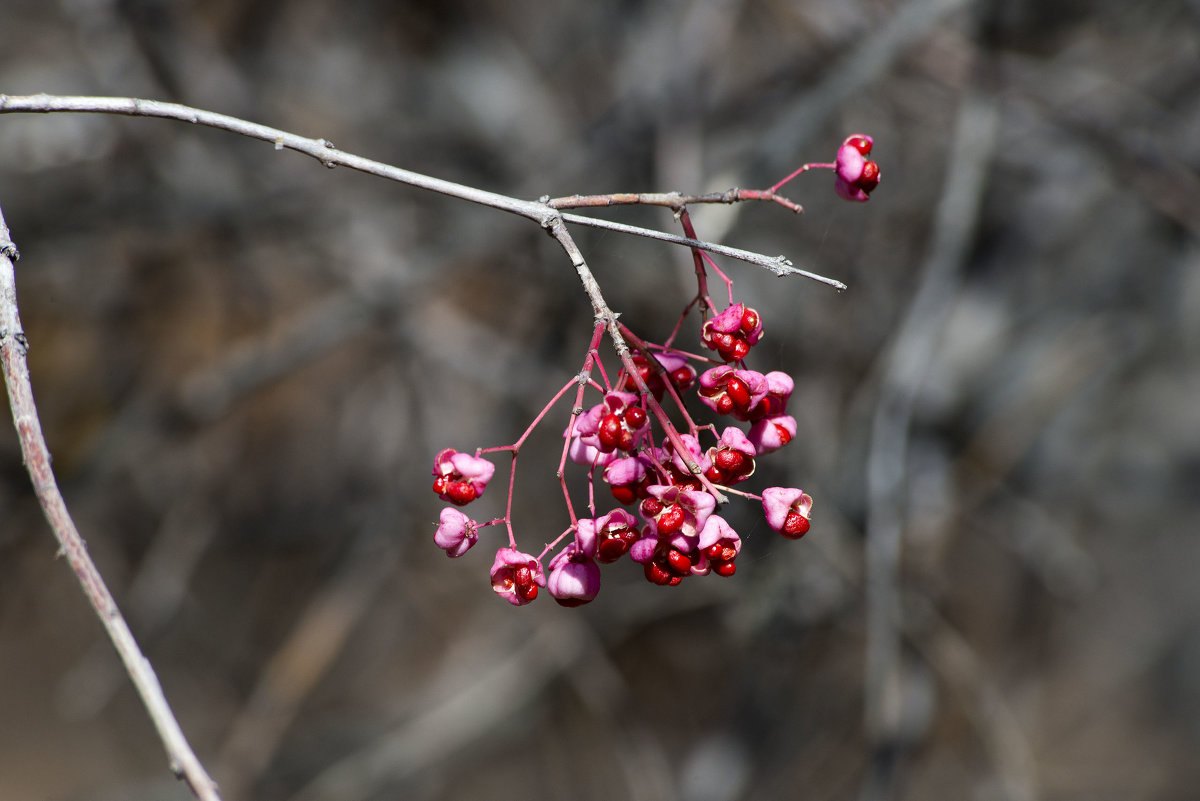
(245, 363)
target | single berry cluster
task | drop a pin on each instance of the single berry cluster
(673, 486)
(667, 473)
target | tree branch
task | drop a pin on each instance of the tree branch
(13, 349)
(540, 211)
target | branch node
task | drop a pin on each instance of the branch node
(328, 146)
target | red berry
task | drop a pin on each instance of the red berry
(795, 526)
(635, 417)
(784, 435)
(650, 507)
(670, 520)
(609, 432)
(460, 493)
(729, 460)
(869, 178)
(725, 569)
(683, 378)
(860, 143)
(750, 320)
(655, 574)
(679, 562)
(738, 392)
(610, 549)
(624, 495)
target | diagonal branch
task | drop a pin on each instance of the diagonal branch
(13, 349)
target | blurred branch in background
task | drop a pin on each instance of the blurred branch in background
(904, 372)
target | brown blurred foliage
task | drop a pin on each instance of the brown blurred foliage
(245, 363)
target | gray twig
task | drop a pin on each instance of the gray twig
(13, 349)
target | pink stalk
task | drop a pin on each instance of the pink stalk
(811, 166)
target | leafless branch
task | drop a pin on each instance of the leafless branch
(324, 151)
(13, 349)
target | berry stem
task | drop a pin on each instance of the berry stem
(642, 347)
(582, 381)
(699, 256)
(810, 166)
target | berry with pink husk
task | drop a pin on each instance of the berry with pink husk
(731, 459)
(516, 576)
(856, 176)
(732, 332)
(574, 577)
(460, 477)
(456, 533)
(787, 510)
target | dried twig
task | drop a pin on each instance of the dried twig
(13, 349)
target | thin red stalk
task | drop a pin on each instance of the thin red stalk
(700, 257)
(515, 448)
(696, 357)
(550, 545)
(638, 343)
(13, 349)
(679, 323)
(701, 274)
(585, 373)
(805, 168)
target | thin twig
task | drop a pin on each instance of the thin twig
(324, 151)
(13, 349)
(672, 200)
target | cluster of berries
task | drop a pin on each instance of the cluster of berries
(675, 486)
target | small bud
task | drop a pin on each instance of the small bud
(456, 533)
